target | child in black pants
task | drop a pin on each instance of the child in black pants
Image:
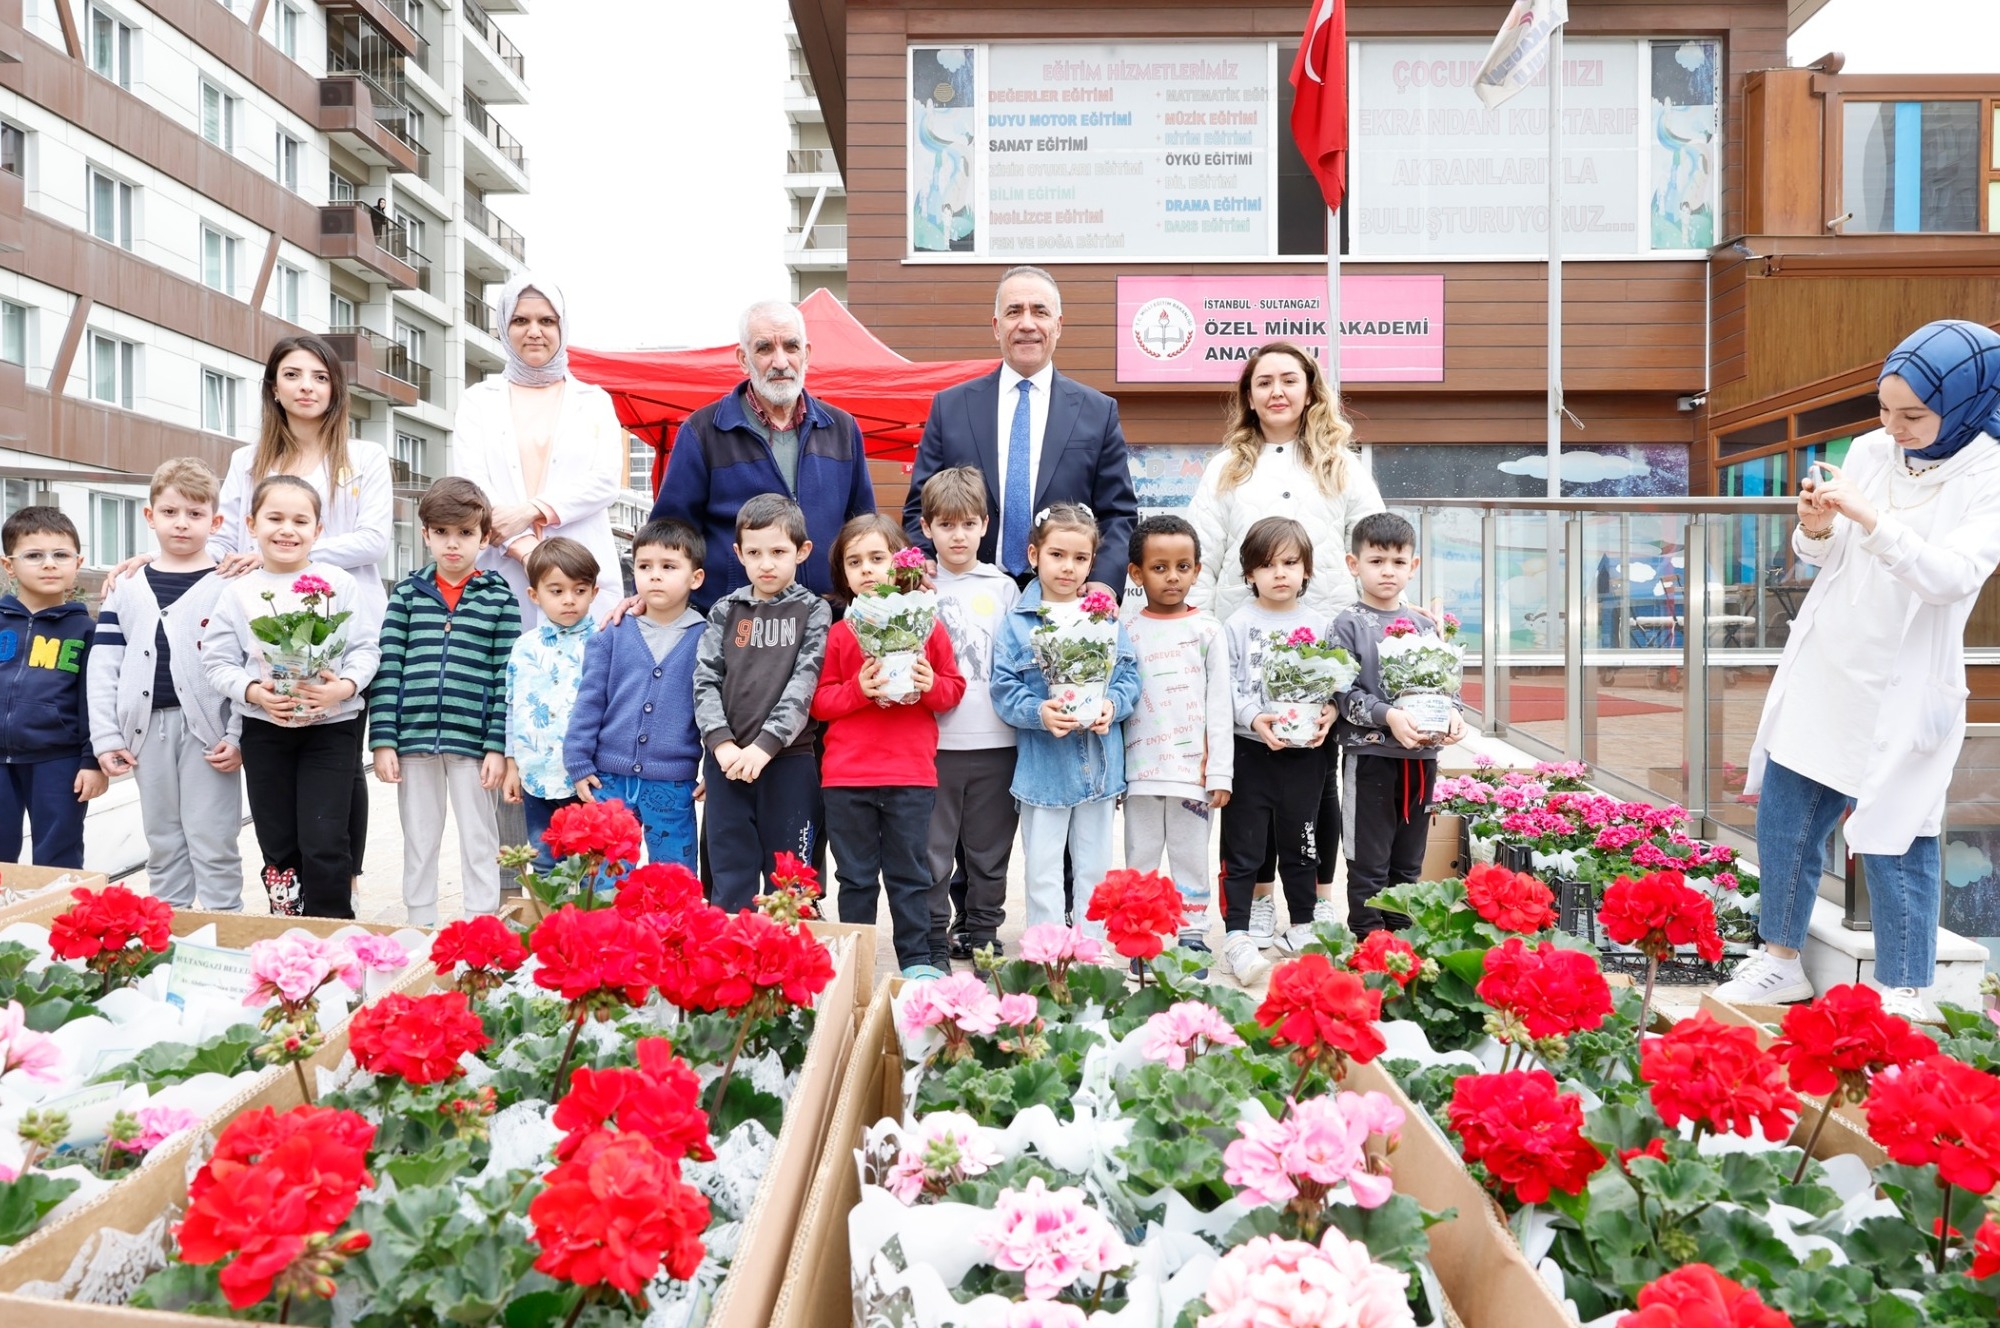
(1390, 768)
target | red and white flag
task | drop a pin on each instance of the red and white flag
(1319, 106)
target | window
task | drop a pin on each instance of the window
(16, 494)
(218, 401)
(287, 19)
(13, 332)
(285, 292)
(113, 366)
(111, 44)
(339, 189)
(412, 340)
(339, 311)
(1910, 165)
(638, 463)
(412, 458)
(285, 160)
(110, 209)
(218, 261)
(114, 529)
(13, 149)
(218, 116)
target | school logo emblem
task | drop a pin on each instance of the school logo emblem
(1163, 328)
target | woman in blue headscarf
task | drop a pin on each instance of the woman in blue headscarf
(1867, 709)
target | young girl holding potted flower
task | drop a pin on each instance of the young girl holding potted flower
(879, 773)
(1065, 675)
(293, 644)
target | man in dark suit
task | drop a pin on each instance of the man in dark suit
(1037, 436)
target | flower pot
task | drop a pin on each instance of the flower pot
(284, 671)
(1081, 701)
(898, 675)
(1294, 723)
(1431, 711)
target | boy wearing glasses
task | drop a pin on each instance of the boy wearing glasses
(46, 758)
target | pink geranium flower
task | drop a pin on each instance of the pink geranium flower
(1052, 1237)
(1044, 1314)
(948, 1148)
(1301, 636)
(1400, 627)
(309, 585)
(1018, 1010)
(156, 1126)
(291, 968)
(908, 558)
(1272, 1283)
(1050, 943)
(1185, 1029)
(22, 1048)
(1321, 1144)
(1099, 605)
(379, 954)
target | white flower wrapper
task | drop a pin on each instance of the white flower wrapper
(893, 628)
(1076, 655)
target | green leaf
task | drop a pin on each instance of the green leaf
(26, 1201)
(538, 1309)
(1396, 1233)
(1470, 965)
(165, 1063)
(743, 1101)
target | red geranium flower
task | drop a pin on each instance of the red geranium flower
(1986, 1249)
(1655, 1149)
(599, 955)
(416, 1038)
(656, 888)
(614, 1213)
(659, 1100)
(1940, 1111)
(606, 829)
(478, 942)
(1658, 912)
(747, 957)
(270, 1198)
(1553, 991)
(1319, 1009)
(1699, 1297)
(112, 930)
(1716, 1074)
(1137, 909)
(1841, 1040)
(1528, 1135)
(1511, 901)
(1386, 952)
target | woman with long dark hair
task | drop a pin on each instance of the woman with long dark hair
(1867, 709)
(1288, 451)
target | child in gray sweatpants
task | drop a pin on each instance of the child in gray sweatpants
(153, 712)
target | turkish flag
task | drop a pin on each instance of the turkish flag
(1319, 107)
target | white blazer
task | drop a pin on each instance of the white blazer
(1916, 733)
(586, 474)
(356, 511)
(1279, 486)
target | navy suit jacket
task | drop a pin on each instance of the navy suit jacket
(1083, 460)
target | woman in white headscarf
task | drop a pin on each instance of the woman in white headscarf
(547, 449)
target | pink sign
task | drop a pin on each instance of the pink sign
(1201, 329)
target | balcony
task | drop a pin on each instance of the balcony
(802, 98)
(480, 314)
(376, 367)
(821, 248)
(370, 122)
(495, 161)
(394, 19)
(482, 335)
(351, 237)
(493, 64)
(12, 199)
(809, 170)
(493, 248)
(13, 41)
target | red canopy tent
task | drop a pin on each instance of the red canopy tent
(889, 396)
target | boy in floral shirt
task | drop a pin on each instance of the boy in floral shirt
(543, 676)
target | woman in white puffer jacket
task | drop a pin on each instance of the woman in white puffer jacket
(1288, 452)
(1270, 465)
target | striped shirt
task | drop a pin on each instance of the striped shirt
(442, 686)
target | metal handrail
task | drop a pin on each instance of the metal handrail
(1730, 506)
(493, 228)
(495, 132)
(483, 24)
(480, 314)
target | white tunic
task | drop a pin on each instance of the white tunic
(357, 516)
(1869, 696)
(1279, 486)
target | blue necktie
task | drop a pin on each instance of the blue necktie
(1014, 516)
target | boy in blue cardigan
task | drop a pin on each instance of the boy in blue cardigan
(632, 735)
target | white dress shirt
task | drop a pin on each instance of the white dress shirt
(1038, 424)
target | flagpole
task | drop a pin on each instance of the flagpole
(1555, 389)
(1333, 298)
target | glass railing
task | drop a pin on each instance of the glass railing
(481, 219)
(481, 23)
(495, 132)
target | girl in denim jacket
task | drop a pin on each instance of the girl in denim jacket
(1067, 776)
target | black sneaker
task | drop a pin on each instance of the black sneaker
(974, 945)
(942, 961)
(1069, 920)
(961, 947)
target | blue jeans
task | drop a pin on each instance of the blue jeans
(1085, 830)
(539, 812)
(665, 809)
(879, 837)
(1795, 816)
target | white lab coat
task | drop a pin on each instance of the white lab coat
(1917, 730)
(1279, 486)
(357, 516)
(585, 476)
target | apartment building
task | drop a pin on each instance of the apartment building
(182, 182)
(815, 197)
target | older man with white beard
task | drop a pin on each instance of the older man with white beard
(767, 435)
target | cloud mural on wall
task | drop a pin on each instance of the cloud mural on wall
(1965, 863)
(1580, 467)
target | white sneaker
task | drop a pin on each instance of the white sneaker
(1329, 910)
(1295, 939)
(1263, 920)
(1909, 1003)
(1765, 979)
(1245, 960)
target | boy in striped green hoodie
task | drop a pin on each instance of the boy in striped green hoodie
(437, 710)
